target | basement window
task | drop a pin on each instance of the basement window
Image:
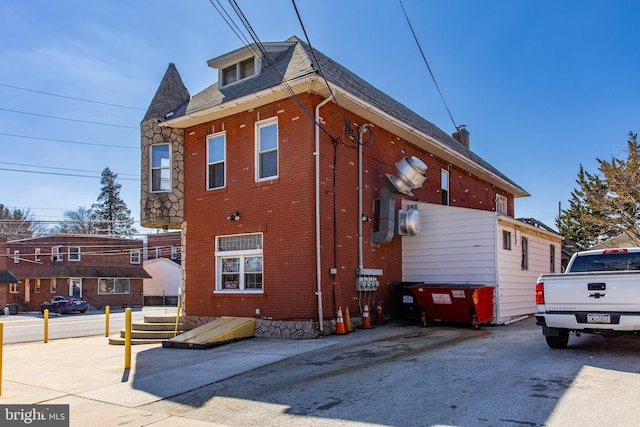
(239, 265)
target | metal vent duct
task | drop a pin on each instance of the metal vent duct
(410, 173)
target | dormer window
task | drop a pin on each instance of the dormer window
(238, 71)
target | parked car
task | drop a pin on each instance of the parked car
(64, 304)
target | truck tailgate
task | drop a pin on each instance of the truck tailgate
(616, 291)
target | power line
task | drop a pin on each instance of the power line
(62, 174)
(424, 58)
(65, 169)
(67, 141)
(71, 97)
(68, 119)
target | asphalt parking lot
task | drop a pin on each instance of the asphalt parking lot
(393, 375)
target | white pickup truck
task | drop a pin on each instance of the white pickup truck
(598, 294)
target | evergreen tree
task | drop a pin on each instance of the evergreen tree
(111, 215)
(620, 205)
(605, 206)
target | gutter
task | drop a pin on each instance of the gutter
(316, 153)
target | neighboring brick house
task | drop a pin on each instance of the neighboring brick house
(163, 245)
(102, 270)
(269, 203)
(8, 282)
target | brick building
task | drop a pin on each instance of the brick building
(7, 280)
(286, 178)
(102, 270)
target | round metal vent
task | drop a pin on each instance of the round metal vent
(409, 223)
(410, 173)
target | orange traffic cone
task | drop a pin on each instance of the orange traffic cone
(347, 320)
(366, 320)
(379, 319)
(340, 323)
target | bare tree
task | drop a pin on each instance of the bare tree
(76, 222)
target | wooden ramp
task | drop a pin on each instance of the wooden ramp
(217, 332)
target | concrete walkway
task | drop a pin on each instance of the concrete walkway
(89, 375)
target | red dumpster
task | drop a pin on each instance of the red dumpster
(455, 303)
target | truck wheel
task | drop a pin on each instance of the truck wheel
(559, 341)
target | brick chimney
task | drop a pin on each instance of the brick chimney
(462, 136)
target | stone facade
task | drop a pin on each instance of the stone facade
(162, 209)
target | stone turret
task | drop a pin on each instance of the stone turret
(163, 206)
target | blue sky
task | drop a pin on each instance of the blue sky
(543, 86)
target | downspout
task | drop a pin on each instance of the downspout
(316, 153)
(361, 131)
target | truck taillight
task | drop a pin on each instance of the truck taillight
(539, 293)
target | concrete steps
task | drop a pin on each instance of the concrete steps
(154, 330)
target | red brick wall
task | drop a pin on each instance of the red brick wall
(284, 210)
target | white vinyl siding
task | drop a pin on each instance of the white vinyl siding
(466, 246)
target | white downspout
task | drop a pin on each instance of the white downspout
(316, 153)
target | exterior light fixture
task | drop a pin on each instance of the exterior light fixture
(234, 216)
(365, 218)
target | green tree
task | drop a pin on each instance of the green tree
(606, 205)
(620, 206)
(111, 215)
(18, 224)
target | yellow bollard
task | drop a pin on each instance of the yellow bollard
(106, 314)
(46, 325)
(127, 339)
(1, 344)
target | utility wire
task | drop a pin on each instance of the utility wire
(427, 64)
(64, 169)
(317, 63)
(68, 119)
(71, 97)
(67, 141)
(64, 174)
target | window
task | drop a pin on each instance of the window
(74, 253)
(157, 252)
(506, 240)
(135, 256)
(174, 252)
(239, 263)
(53, 288)
(16, 257)
(114, 286)
(36, 287)
(525, 254)
(267, 149)
(444, 186)
(37, 254)
(552, 259)
(160, 168)
(14, 288)
(216, 161)
(501, 204)
(55, 254)
(239, 71)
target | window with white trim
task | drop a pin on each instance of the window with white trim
(55, 254)
(53, 286)
(74, 253)
(216, 155)
(160, 167)
(37, 255)
(134, 256)
(14, 288)
(16, 257)
(238, 71)
(36, 287)
(239, 263)
(444, 186)
(267, 149)
(506, 240)
(501, 204)
(114, 286)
